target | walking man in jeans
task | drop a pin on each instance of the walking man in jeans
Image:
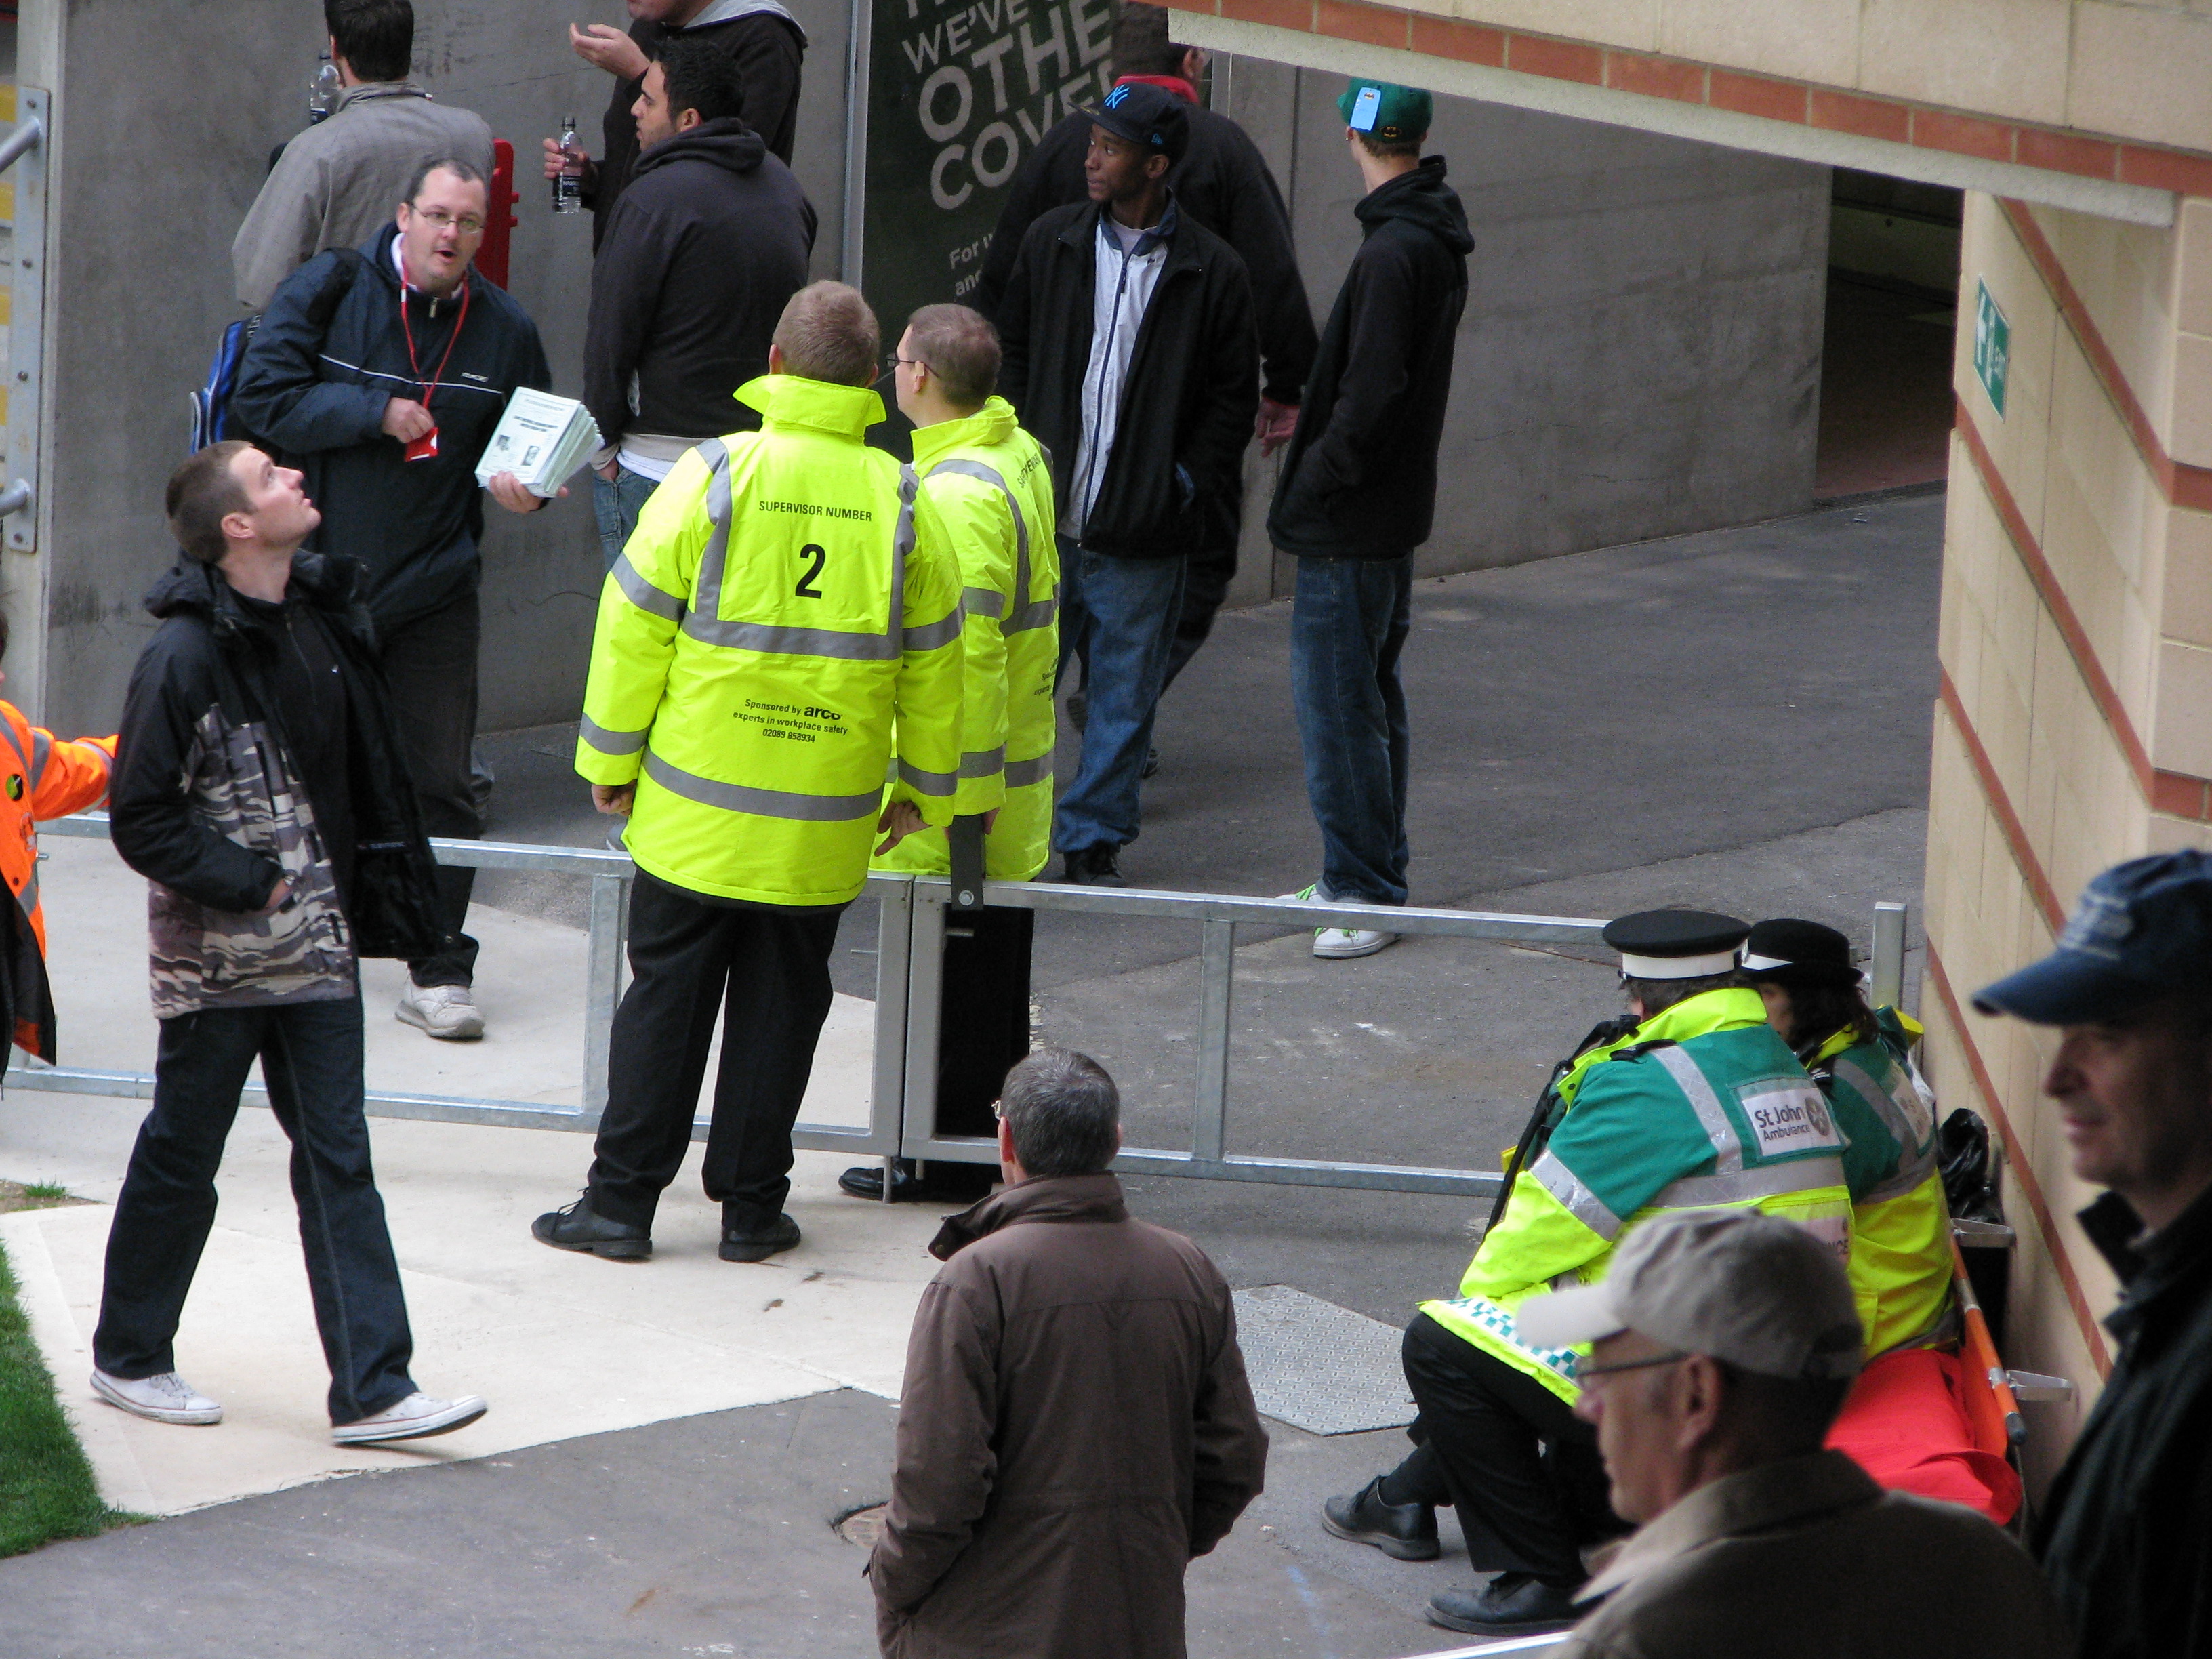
(258, 789)
(1132, 354)
(1356, 494)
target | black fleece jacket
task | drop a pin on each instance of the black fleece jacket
(1223, 183)
(770, 48)
(706, 245)
(1189, 398)
(329, 354)
(1358, 479)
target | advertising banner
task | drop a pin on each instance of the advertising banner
(959, 94)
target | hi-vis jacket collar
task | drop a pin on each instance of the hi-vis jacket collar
(987, 425)
(793, 400)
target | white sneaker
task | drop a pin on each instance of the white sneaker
(1338, 943)
(166, 1398)
(443, 1010)
(417, 1415)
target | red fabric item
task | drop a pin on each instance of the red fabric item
(1174, 83)
(1905, 1425)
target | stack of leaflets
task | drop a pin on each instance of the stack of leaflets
(541, 439)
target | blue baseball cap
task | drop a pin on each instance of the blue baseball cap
(1147, 115)
(2142, 931)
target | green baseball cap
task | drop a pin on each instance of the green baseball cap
(1382, 110)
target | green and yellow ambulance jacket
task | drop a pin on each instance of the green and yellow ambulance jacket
(1900, 1222)
(991, 485)
(1703, 1107)
(784, 622)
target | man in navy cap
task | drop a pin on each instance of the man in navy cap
(1132, 354)
(1691, 1102)
(2126, 1533)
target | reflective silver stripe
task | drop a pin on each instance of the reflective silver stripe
(930, 635)
(1026, 614)
(782, 641)
(983, 763)
(1021, 774)
(42, 745)
(716, 557)
(1897, 1186)
(655, 601)
(1720, 1129)
(1914, 1165)
(982, 602)
(1557, 1178)
(612, 742)
(929, 783)
(16, 743)
(1744, 1186)
(761, 803)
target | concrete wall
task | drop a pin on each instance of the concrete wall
(167, 112)
(1640, 353)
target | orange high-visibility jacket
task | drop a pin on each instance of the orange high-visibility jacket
(41, 776)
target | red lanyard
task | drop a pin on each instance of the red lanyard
(429, 386)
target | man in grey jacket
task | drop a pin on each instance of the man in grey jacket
(337, 181)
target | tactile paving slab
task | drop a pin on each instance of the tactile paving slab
(1319, 1367)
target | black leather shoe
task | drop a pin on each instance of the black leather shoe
(945, 1183)
(580, 1227)
(755, 1243)
(1093, 866)
(1511, 1604)
(1404, 1532)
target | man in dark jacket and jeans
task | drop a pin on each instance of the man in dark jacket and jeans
(1075, 1426)
(1356, 496)
(1130, 352)
(702, 253)
(383, 373)
(258, 789)
(2125, 1536)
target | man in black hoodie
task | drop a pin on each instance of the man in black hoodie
(1357, 492)
(701, 255)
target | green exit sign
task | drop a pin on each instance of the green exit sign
(1992, 347)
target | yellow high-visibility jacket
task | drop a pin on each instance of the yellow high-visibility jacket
(783, 624)
(991, 483)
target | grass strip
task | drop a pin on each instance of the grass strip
(47, 1486)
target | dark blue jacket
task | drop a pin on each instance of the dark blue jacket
(329, 355)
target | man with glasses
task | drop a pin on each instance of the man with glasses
(380, 373)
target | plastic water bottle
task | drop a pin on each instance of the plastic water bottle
(323, 95)
(569, 185)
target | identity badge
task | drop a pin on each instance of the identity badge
(1365, 108)
(424, 448)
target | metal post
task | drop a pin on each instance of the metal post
(1889, 967)
(858, 52)
(894, 958)
(26, 153)
(1217, 991)
(924, 1012)
(603, 983)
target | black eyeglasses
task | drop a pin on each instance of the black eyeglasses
(1584, 1373)
(892, 362)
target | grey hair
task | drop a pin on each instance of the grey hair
(1064, 1112)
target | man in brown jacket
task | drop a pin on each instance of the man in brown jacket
(1076, 1425)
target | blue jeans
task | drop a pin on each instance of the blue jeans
(617, 506)
(1347, 627)
(311, 1056)
(1121, 613)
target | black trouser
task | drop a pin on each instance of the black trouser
(986, 1026)
(766, 971)
(430, 664)
(1206, 576)
(310, 1055)
(1509, 1454)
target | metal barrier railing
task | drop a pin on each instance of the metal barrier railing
(912, 922)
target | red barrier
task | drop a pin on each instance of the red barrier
(499, 218)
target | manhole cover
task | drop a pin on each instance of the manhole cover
(862, 1526)
(1319, 1367)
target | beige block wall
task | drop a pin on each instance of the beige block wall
(2137, 574)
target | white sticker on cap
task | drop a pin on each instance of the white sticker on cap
(1790, 1118)
(1365, 108)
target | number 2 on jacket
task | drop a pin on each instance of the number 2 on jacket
(816, 552)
